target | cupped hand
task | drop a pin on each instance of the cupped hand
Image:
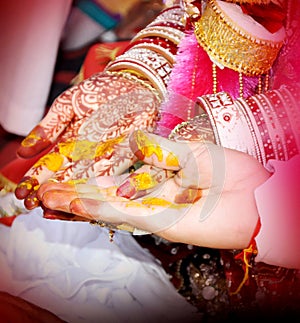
(88, 128)
(207, 199)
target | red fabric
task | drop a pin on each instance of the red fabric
(96, 59)
(271, 16)
(99, 55)
(15, 170)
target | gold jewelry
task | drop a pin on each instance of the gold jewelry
(169, 33)
(233, 47)
(112, 227)
(241, 84)
(267, 82)
(148, 63)
(138, 79)
(196, 129)
(215, 79)
(259, 85)
(102, 224)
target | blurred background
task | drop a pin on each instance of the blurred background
(45, 44)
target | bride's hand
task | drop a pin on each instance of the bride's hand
(88, 128)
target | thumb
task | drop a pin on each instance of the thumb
(198, 164)
(49, 128)
(159, 151)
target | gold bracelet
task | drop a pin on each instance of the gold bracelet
(158, 49)
(110, 226)
(232, 46)
(164, 32)
(151, 65)
(130, 75)
(196, 129)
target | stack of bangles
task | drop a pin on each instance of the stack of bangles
(266, 126)
(151, 53)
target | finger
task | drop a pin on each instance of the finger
(200, 164)
(59, 200)
(110, 157)
(39, 173)
(59, 215)
(51, 186)
(25, 187)
(155, 150)
(143, 181)
(149, 179)
(61, 164)
(56, 198)
(34, 143)
(145, 215)
(52, 125)
(190, 159)
(71, 187)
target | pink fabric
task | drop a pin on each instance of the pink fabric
(191, 77)
(278, 203)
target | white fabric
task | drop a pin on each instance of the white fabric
(278, 203)
(73, 270)
(247, 23)
(30, 34)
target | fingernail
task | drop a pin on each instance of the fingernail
(31, 201)
(135, 184)
(25, 187)
(34, 143)
(126, 190)
(146, 147)
(36, 135)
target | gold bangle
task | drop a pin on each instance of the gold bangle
(164, 32)
(147, 63)
(196, 129)
(233, 47)
(158, 49)
(130, 75)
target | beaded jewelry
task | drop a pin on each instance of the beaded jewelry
(248, 53)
